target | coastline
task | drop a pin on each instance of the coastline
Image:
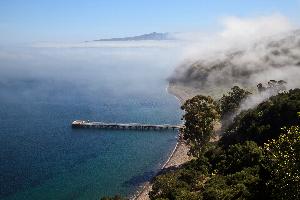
(178, 156)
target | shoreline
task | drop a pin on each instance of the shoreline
(177, 157)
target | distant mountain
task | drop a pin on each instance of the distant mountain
(149, 36)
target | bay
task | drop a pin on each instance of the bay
(42, 90)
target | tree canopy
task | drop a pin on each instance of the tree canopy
(200, 114)
(229, 103)
(283, 163)
(265, 121)
(255, 159)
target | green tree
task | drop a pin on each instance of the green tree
(239, 156)
(265, 121)
(167, 185)
(243, 168)
(200, 114)
(241, 185)
(272, 86)
(283, 163)
(230, 102)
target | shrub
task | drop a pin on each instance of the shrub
(264, 122)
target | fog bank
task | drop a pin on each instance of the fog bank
(245, 52)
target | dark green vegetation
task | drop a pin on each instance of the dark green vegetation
(258, 157)
(201, 112)
(264, 122)
(229, 103)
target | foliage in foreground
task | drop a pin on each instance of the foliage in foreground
(282, 157)
(256, 159)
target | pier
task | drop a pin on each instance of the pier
(120, 126)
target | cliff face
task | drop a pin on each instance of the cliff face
(272, 58)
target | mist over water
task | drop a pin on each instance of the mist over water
(42, 90)
(45, 87)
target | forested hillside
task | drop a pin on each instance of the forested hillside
(257, 157)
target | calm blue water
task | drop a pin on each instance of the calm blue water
(43, 90)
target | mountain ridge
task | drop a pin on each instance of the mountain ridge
(148, 36)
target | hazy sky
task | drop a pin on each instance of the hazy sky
(79, 20)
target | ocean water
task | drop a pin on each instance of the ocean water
(42, 90)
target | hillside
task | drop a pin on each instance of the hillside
(257, 158)
(276, 57)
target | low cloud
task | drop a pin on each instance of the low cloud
(246, 51)
(235, 33)
(247, 30)
(109, 44)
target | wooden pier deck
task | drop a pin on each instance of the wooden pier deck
(120, 126)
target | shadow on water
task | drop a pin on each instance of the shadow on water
(139, 179)
(77, 192)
